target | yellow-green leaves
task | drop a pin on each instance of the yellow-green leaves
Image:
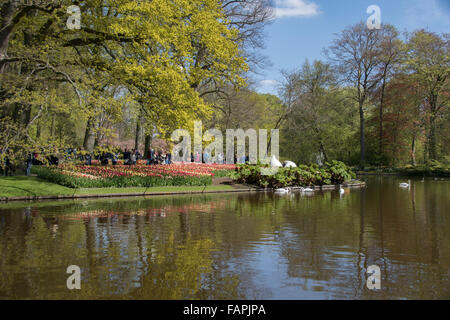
(149, 55)
(178, 45)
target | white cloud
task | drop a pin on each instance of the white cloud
(268, 83)
(295, 8)
(268, 86)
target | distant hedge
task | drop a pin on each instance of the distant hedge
(432, 169)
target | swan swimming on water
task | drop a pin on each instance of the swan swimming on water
(307, 190)
(404, 185)
(282, 190)
(341, 190)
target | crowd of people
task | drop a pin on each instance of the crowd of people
(106, 156)
(129, 157)
(9, 168)
(153, 157)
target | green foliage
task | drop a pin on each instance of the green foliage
(339, 172)
(222, 173)
(335, 172)
(146, 56)
(433, 168)
(102, 150)
(322, 119)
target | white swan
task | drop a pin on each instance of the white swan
(282, 190)
(307, 190)
(274, 163)
(341, 190)
(289, 164)
(404, 185)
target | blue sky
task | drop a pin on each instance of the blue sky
(303, 28)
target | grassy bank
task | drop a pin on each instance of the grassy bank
(432, 168)
(35, 187)
(407, 172)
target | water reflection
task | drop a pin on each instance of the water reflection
(232, 246)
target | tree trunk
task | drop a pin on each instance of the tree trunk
(97, 139)
(52, 126)
(322, 149)
(60, 134)
(10, 16)
(7, 11)
(432, 138)
(27, 41)
(148, 142)
(413, 150)
(27, 117)
(383, 89)
(362, 136)
(87, 134)
(138, 133)
(38, 130)
(321, 145)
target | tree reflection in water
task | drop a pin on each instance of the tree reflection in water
(258, 246)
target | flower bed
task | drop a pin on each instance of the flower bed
(182, 174)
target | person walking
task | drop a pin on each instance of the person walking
(159, 158)
(126, 157)
(149, 156)
(133, 158)
(104, 158)
(29, 163)
(138, 155)
(166, 160)
(88, 158)
(206, 157)
(197, 157)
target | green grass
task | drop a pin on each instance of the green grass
(30, 186)
(33, 186)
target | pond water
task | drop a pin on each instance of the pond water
(233, 246)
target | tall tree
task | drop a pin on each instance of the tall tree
(390, 59)
(318, 125)
(356, 52)
(428, 62)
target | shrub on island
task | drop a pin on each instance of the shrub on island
(335, 172)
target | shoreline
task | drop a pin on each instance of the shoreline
(233, 188)
(407, 173)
